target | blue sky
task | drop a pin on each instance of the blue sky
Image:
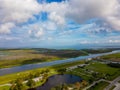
(59, 23)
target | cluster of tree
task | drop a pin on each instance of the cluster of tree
(28, 81)
(75, 86)
(19, 84)
(116, 65)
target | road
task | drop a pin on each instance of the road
(95, 83)
(113, 83)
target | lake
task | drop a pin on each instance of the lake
(57, 80)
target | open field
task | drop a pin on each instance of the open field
(87, 73)
(93, 70)
(98, 70)
(17, 57)
(112, 57)
(9, 58)
(8, 78)
(53, 70)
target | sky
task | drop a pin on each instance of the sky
(59, 23)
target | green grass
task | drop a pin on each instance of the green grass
(99, 86)
(5, 88)
(53, 70)
(102, 68)
(112, 57)
(8, 78)
(93, 67)
(18, 57)
(13, 77)
(116, 55)
(19, 62)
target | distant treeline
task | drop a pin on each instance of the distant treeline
(117, 65)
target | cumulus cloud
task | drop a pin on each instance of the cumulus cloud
(36, 31)
(16, 11)
(59, 20)
(82, 10)
(5, 28)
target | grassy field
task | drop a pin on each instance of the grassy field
(99, 86)
(86, 75)
(17, 57)
(10, 58)
(112, 57)
(8, 78)
(104, 69)
(101, 69)
(93, 71)
(53, 70)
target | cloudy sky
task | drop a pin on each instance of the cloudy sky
(59, 23)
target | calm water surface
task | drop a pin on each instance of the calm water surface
(5, 71)
(56, 80)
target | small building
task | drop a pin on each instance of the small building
(82, 65)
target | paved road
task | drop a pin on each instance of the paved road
(117, 86)
(113, 83)
(95, 83)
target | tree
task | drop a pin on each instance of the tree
(18, 85)
(77, 85)
(30, 83)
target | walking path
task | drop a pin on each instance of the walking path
(112, 83)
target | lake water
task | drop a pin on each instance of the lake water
(56, 80)
(5, 71)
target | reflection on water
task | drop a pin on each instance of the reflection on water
(59, 80)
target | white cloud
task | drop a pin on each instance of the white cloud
(16, 11)
(82, 10)
(36, 32)
(114, 41)
(5, 28)
(59, 20)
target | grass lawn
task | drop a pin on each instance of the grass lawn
(104, 69)
(4, 88)
(96, 67)
(113, 57)
(99, 86)
(80, 72)
(8, 78)
(11, 77)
